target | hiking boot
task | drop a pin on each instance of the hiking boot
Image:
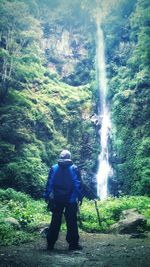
(75, 247)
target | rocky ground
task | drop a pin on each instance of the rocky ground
(99, 250)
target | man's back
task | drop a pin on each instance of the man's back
(63, 184)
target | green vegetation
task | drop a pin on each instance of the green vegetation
(110, 211)
(28, 212)
(40, 115)
(48, 95)
(129, 96)
(32, 213)
(36, 126)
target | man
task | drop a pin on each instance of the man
(64, 192)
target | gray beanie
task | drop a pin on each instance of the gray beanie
(65, 155)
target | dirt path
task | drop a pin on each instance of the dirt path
(100, 250)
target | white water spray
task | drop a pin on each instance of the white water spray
(103, 165)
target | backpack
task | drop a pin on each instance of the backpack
(63, 184)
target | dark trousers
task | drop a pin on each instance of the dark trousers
(70, 212)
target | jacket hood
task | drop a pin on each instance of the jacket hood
(64, 162)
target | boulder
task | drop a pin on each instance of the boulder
(131, 222)
(12, 221)
(41, 226)
(42, 229)
(44, 232)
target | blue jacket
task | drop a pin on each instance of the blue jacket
(64, 178)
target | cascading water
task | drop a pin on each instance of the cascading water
(103, 164)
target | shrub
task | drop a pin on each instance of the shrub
(110, 211)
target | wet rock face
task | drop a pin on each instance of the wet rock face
(66, 49)
(131, 222)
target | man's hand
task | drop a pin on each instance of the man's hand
(80, 202)
(46, 200)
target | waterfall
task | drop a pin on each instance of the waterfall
(103, 163)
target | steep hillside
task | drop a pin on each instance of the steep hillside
(36, 124)
(129, 95)
(49, 94)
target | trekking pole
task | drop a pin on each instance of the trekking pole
(97, 211)
(93, 195)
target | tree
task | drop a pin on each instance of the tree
(19, 31)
